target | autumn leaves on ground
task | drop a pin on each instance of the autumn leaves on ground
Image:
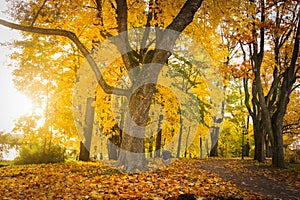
(79, 180)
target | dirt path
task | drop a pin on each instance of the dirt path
(253, 178)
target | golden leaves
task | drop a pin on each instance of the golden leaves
(78, 180)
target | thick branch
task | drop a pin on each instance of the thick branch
(247, 97)
(296, 49)
(143, 47)
(262, 31)
(185, 16)
(64, 33)
(180, 22)
(121, 41)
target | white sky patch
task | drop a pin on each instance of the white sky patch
(13, 104)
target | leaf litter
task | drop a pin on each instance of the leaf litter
(94, 180)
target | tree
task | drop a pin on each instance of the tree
(47, 14)
(48, 82)
(275, 24)
(8, 141)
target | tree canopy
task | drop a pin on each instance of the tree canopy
(130, 46)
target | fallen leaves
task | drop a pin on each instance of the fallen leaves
(77, 180)
(288, 175)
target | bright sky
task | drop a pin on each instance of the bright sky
(13, 104)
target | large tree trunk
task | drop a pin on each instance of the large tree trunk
(289, 79)
(132, 155)
(277, 146)
(259, 136)
(268, 147)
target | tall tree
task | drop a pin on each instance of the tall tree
(48, 18)
(262, 25)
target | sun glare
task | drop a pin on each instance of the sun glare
(13, 104)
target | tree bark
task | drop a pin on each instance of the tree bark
(158, 144)
(214, 150)
(259, 139)
(85, 147)
(158, 138)
(277, 150)
(84, 154)
(289, 79)
(179, 138)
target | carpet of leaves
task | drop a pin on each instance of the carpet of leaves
(273, 183)
(78, 180)
(289, 175)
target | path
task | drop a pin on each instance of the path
(247, 177)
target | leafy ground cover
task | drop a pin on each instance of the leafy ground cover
(274, 183)
(78, 180)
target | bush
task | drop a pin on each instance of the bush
(292, 156)
(36, 154)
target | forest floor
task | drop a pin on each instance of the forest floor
(261, 178)
(206, 179)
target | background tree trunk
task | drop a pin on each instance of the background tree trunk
(85, 147)
(214, 150)
(84, 154)
(179, 139)
(158, 138)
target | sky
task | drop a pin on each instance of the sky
(13, 103)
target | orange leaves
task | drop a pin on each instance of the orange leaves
(95, 181)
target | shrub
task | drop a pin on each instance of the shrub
(36, 153)
(292, 156)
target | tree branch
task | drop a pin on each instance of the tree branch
(121, 41)
(185, 16)
(64, 33)
(262, 32)
(143, 48)
(180, 22)
(38, 12)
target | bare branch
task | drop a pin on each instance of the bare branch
(295, 87)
